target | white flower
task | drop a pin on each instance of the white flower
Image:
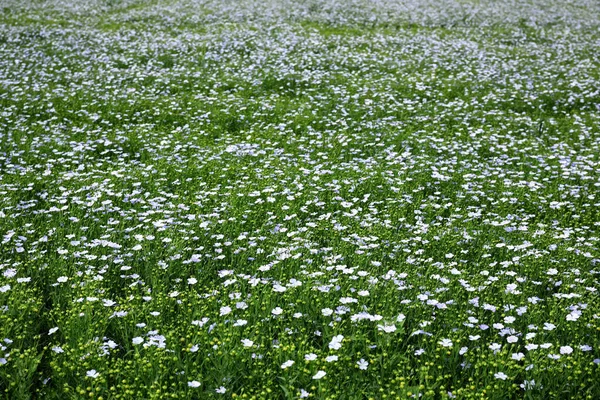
(62, 279)
(566, 350)
(304, 394)
(279, 288)
(526, 385)
(247, 342)
(192, 281)
(548, 326)
(362, 364)
(574, 315)
(277, 311)
(445, 343)
(419, 352)
(336, 342)
(327, 312)
(224, 310)
(512, 339)
(531, 346)
(387, 328)
(500, 375)
(463, 350)
(287, 364)
(518, 356)
(194, 384)
(331, 358)
(310, 357)
(138, 340)
(319, 375)
(52, 330)
(221, 390)
(92, 373)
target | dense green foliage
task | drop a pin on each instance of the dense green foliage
(284, 199)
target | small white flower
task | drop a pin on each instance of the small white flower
(526, 385)
(518, 356)
(331, 358)
(500, 375)
(445, 343)
(277, 311)
(548, 326)
(221, 390)
(287, 364)
(62, 279)
(92, 373)
(362, 364)
(566, 350)
(574, 315)
(224, 310)
(247, 342)
(52, 330)
(327, 312)
(138, 340)
(336, 342)
(194, 384)
(192, 281)
(319, 375)
(387, 328)
(463, 350)
(512, 339)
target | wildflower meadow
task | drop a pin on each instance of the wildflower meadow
(280, 199)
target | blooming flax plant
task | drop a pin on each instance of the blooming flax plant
(282, 199)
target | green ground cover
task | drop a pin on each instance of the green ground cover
(278, 200)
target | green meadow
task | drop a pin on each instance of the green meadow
(277, 199)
